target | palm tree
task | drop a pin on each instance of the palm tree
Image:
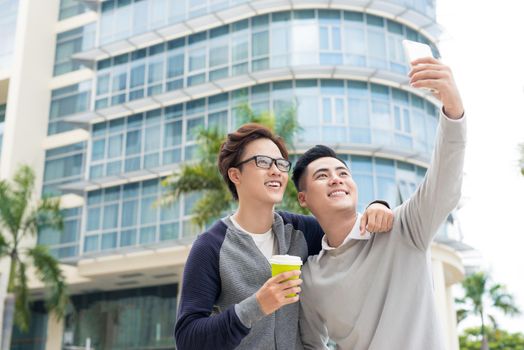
(203, 177)
(479, 293)
(19, 221)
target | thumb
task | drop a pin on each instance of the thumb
(363, 223)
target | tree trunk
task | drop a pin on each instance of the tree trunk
(7, 327)
(485, 345)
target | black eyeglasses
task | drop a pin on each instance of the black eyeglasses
(266, 162)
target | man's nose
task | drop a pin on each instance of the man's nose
(335, 180)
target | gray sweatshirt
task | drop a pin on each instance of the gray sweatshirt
(378, 293)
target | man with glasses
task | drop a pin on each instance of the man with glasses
(229, 299)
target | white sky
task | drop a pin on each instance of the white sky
(483, 42)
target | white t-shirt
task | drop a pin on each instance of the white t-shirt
(264, 241)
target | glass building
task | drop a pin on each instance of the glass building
(130, 82)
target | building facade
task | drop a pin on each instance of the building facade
(104, 99)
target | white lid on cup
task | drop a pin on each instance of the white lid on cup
(285, 260)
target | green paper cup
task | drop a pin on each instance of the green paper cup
(283, 263)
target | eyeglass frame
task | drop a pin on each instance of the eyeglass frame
(273, 161)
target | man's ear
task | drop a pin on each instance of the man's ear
(301, 196)
(234, 175)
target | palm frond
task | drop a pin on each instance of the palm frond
(192, 178)
(211, 206)
(462, 314)
(47, 215)
(4, 246)
(48, 271)
(21, 292)
(8, 219)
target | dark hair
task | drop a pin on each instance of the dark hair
(312, 154)
(233, 147)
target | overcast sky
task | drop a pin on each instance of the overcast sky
(483, 42)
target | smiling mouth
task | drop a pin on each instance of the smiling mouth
(338, 193)
(273, 184)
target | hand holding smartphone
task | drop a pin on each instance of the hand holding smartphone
(415, 50)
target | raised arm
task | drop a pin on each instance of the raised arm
(421, 215)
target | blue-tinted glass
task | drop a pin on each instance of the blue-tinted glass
(150, 187)
(169, 231)
(384, 167)
(94, 197)
(260, 42)
(147, 235)
(129, 213)
(365, 188)
(131, 190)
(137, 76)
(304, 14)
(361, 164)
(173, 134)
(127, 238)
(332, 87)
(108, 241)
(91, 244)
(110, 216)
(132, 164)
(172, 156)
(353, 16)
(98, 150)
(375, 21)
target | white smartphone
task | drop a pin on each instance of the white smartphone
(415, 50)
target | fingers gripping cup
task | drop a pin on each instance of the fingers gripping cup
(283, 263)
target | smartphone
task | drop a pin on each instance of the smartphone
(415, 50)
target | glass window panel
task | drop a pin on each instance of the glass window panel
(339, 111)
(94, 197)
(170, 212)
(148, 211)
(131, 190)
(150, 187)
(152, 138)
(133, 141)
(102, 84)
(172, 156)
(380, 115)
(147, 235)
(193, 128)
(110, 216)
(93, 219)
(197, 59)
(138, 76)
(127, 238)
(326, 110)
(169, 231)
(91, 244)
(175, 65)
(239, 49)
(324, 38)
(387, 189)
(260, 42)
(218, 55)
(335, 37)
(151, 161)
(384, 167)
(109, 241)
(114, 168)
(358, 112)
(365, 189)
(155, 71)
(129, 213)
(115, 146)
(132, 164)
(307, 111)
(98, 150)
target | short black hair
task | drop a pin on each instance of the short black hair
(312, 154)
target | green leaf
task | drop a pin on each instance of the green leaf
(48, 271)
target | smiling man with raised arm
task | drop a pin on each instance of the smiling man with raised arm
(376, 292)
